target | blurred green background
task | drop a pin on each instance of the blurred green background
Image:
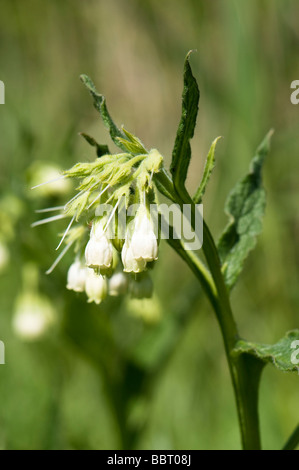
(152, 375)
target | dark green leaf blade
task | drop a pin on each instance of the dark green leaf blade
(284, 355)
(181, 154)
(100, 104)
(209, 166)
(245, 207)
(100, 149)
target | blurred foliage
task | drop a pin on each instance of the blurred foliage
(104, 374)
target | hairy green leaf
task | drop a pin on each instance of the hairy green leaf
(245, 207)
(100, 149)
(181, 154)
(284, 355)
(209, 165)
(100, 104)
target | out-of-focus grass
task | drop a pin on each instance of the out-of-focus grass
(247, 57)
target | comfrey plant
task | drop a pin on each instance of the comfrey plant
(102, 240)
(114, 254)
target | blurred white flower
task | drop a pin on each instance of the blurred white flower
(4, 256)
(76, 276)
(118, 284)
(95, 286)
(41, 172)
(33, 316)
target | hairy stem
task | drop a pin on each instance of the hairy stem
(245, 370)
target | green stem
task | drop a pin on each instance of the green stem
(293, 440)
(245, 370)
(198, 269)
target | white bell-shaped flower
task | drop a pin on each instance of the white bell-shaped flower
(131, 265)
(118, 284)
(76, 277)
(144, 244)
(95, 286)
(99, 249)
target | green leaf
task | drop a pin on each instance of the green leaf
(245, 207)
(210, 163)
(100, 149)
(164, 184)
(163, 190)
(284, 355)
(100, 104)
(181, 154)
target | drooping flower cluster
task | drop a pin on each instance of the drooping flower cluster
(112, 253)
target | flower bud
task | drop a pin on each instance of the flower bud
(95, 287)
(144, 243)
(99, 249)
(129, 262)
(76, 277)
(142, 287)
(118, 284)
